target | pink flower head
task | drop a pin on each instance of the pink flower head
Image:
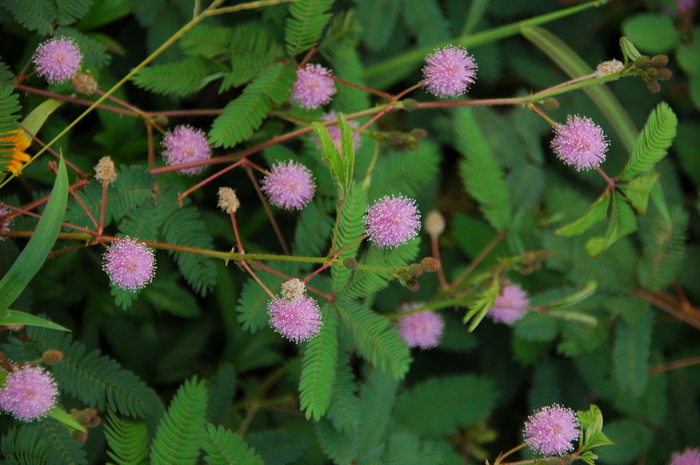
(392, 221)
(297, 320)
(184, 144)
(313, 87)
(687, 457)
(449, 72)
(580, 142)
(421, 329)
(29, 393)
(510, 306)
(4, 225)
(334, 132)
(551, 430)
(130, 264)
(58, 59)
(289, 185)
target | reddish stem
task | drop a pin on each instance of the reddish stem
(78, 171)
(182, 196)
(330, 298)
(83, 206)
(435, 248)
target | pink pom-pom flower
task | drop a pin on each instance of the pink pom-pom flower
(313, 87)
(297, 320)
(420, 329)
(551, 430)
(130, 265)
(510, 306)
(449, 71)
(29, 393)
(185, 144)
(289, 185)
(392, 221)
(58, 59)
(687, 457)
(580, 142)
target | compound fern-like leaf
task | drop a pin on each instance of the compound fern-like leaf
(24, 446)
(70, 11)
(34, 15)
(308, 19)
(180, 78)
(178, 434)
(127, 439)
(223, 447)
(350, 229)
(318, 368)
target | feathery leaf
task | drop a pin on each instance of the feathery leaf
(350, 229)
(308, 19)
(653, 141)
(34, 15)
(223, 447)
(127, 439)
(180, 78)
(318, 368)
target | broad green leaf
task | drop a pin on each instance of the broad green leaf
(32, 257)
(36, 119)
(652, 33)
(14, 317)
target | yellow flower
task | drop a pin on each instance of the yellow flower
(19, 143)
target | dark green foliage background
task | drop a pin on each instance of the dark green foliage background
(200, 329)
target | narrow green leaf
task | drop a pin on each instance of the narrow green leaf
(14, 317)
(481, 305)
(638, 189)
(38, 116)
(622, 222)
(58, 414)
(653, 142)
(32, 257)
(594, 215)
(332, 157)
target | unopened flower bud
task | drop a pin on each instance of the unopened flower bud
(85, 416)
(419, 133)
(409, 104)
(412, 285)
(52, 356)
(79, 436)
(395, 137)
(654, 87)
(434, 223)
(650, 74)
(551, 104)
(84, 83)
(293, 290)
(104, 171)
(664, 74)
(350, 264)
(228, 200)
(608, 68)
(415, 270)
(430, 264)
(659, 61)
(642, 62)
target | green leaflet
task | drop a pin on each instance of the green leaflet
(318, 368)
(379, 20)
(277, 446)
(24, 445)
(221, 391)
(308, 19)
(34, 254)
(208, 41)
(663, 247)
(62, 446)
(426, 21)
(375, 338)
(653, 141)
(377, 399)
(350, 229)
(480, 173)
(407, 173)
(222, 447)
(95, 379)
(180, 78)
(631, 353)
(245, 114)
(481, 305)
(440, 406)
(339, 446)
(184, 227)
(341, 160)
(127, 439)
(638, 189)
(622, 223)
(596, 213)
(34, 15)
(343, 411)
(178, 434)
(14, 317)
(9, 109)
(70, 11)
(313, 230)
(631, 438)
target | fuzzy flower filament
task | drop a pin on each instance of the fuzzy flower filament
(551, 430)
(392, 221)
(313, 87)
(580, 142)
(29, 393)
(297, 320)
(449, 71)
(289, 185)
(510, 306)
(130, 265)
(687, 457)
(58, 59)
(186, 144)
(420, 329)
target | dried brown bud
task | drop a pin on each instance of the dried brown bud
(412, 285)
(52, 356)
(228, 200)
(419, 133)
(104, 171)
(654, 87)
(79, 436)
(415, 270)
(293, 290)
(84, 84)
(664, 74)
(430, 264)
